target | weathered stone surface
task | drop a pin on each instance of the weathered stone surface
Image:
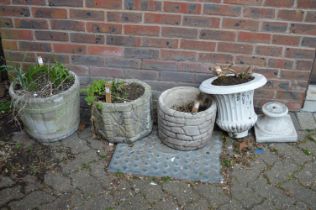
(306, 120)
(6, 182)
(33, 200)
(58, 182)
(9, 194)
(182, 130)
(124, 122)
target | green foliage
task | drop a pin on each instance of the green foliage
(5, 106)
(33, 79)
(96, 91)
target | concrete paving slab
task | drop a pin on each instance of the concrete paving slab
(149, 157)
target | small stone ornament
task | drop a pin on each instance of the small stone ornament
(275, 125)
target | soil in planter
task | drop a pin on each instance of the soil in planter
(130, 92)
(188, 107)
(231, 80)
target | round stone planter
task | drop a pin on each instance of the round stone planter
(236, 114)
(52, 118)
(124, 122)
(183, 130)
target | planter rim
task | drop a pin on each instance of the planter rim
(147, 91)
(207, 86)
(166, 109)
(42, 99)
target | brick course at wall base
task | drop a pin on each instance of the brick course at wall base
(168, 43)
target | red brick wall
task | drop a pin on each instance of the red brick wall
(168, 43)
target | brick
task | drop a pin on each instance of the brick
(124, 17)
(308, 29)
(222, 10)
(159, 65)
(87, 60)
(234, 48)
(63, 3)
(304, 65)
(123, 40)
(79, 70)
(19, 56)
(254, 37)
(291, 15)
(6, 23)
(311, 16)
(141, 30)
(309, 42)
(87, 38)
(265, 93)
(29, 2)
(51, 35)
(306, 4)
(52, 58)
(108, 28)
(201, 21)
(142, 75)
(250, 60)
(285, 40)
(182, 7)
(146, 5)
(69, 25)
(294, 75)
(178, 55)
(193, 67)
(215, 58)
(283, 3)
(278, 84)
(249, 25)
(290, 95)
(70, 48)
(49, 13)
(269, 50)
(217, 35)
(179, 32)
(35, 46)
(257, 13)
(141, 53)
(106, 72)
(31, 24)
(244, 2)
(9, 45)
(106, 4)
(199, 78)
(299, 53)
(16, 34)
(86, 14)
(5, 2)
(162, 19)
(122, 62)
(159, 42)
(269, 73)
(274, 27)
(177, 76)
(280, 63)
(105, 50)
(197, 45)
(14, 11)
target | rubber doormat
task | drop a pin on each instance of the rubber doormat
(149, 157)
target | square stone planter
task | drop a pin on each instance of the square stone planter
(184, 130)
(124, 122)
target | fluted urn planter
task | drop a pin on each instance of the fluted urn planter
(184, 130)
(236, 113)
(51, 118)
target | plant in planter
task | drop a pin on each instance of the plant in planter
(46, 98)
(120, 109)
(178, 127)
(234, 97)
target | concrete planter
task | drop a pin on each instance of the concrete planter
(182, 130)
(236, 113)
(53, 118)
(124, 122)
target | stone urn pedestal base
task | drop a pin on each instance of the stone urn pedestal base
(275, 125)
(184, 130)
